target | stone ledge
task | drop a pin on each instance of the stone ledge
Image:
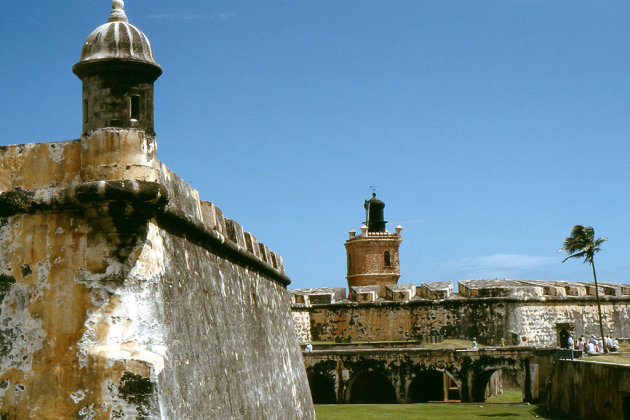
(19, 200)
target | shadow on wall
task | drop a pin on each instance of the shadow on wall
(322, 389)
(371, 388)
(433, 385)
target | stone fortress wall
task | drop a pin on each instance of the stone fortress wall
(534, 313)
(124, 295)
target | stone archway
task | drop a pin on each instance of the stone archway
(322, 389)
(493, 382)
(371, 388)
(433, 385)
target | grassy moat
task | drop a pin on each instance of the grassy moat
(435, 410)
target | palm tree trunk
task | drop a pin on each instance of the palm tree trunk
(599, 307)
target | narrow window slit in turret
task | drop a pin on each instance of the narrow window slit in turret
(134, 107)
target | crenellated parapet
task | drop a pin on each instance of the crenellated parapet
(468, 289)
(539, 289)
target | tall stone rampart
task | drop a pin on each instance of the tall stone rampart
(122, 295)
(523, 312)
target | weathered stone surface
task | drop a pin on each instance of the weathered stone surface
(523, 312)
(237, 341)
(119, 299)
(213, 217)
(57, 163)
(436, 290)
(400, 292)
(498, 288)
(235, 233)
(365, 293)
(318, 295)
(471, 370)
(591, 390)
(302, 325)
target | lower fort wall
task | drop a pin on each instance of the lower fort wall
(520, 322)
(591, 390)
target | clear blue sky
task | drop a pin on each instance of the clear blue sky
(490, 127)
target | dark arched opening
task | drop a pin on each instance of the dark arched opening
(433, 385)
(371, 388)
(500, 385)
(322, 389)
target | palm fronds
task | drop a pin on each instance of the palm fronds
(582, 243)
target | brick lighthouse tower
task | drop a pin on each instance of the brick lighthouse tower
(373, 254)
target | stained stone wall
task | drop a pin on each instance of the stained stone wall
(590, 390)
(525, 313)
(122, 295)
(302, 325)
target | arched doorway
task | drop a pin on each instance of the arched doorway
(371, 388)
(322, 389)
(499, 385)
(433, 385)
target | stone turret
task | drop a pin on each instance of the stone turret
(118, 70)
(372, 256)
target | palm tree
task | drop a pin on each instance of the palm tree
(582, 244)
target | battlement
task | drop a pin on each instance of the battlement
(468, 289)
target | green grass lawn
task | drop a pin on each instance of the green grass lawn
(621, 357)
(451, 343)
(448, 343)
(508, 396)
(610, 358)
(434, 411)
